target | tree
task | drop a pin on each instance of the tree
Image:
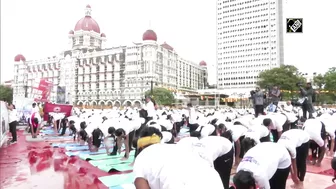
(6, 94)
(285, 76)
(330, 83)
(162, 96)
(319, 81)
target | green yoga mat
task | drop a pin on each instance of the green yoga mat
(116, 180)
(89, 157)
(113, 165)
(114, 161)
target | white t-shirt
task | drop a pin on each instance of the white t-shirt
(13, 116)
(313, 127)
(35, 109)
(263, 160)
(292, 139)
(126, 126)
(237, 131)
(192, 116)
(257, 132)
(166, 136)
(330, 126)
(157, 164)
(278, 121)
(150, 109)
(207, 130)
(216, 146)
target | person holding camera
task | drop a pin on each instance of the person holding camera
(275, 96)
(258, 101)
(307, 105)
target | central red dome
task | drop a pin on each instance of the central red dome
(87, 23)
(149, 35)
(19, 58)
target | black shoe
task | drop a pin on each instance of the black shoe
(13, 142)
(113, 153)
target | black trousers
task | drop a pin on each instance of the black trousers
(301, 157)
(223, 166)
(265, 139)
(307, 108)
(193, 127)
(258, 109)
(63, 129)
(279, 179)
(12, 129)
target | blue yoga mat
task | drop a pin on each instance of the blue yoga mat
(124, 186)
(78, 148)
(58, 137)
(47, 131)
(63, 145)
(100, 151)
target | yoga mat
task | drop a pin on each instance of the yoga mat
(116, 181)
(89, 157)
(111, 162)
(116, 168)
(63, 145)
(124, 186)
(47, 131)
(57, 137)
(100, 151)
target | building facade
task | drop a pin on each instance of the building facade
(94, 74)
(249, 41)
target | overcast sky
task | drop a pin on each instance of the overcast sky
(39, 28)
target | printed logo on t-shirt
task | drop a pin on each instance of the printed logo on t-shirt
(249, 159)
(284, 137)
(249, 130)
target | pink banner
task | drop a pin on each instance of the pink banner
(56, 108)
(42, 92)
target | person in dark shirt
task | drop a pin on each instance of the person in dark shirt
(82, 135)
(64, 124)
(72, 128)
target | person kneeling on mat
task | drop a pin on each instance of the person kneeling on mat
(297, 143)
(267, 165)
(110, 142)
(95, 140)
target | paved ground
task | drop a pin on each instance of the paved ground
(18, 170)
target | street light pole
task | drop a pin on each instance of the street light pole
(151, 85)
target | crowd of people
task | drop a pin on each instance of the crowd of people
(263, 145)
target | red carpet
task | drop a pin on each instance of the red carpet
(24, 162)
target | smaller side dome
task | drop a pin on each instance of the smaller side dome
(102, 35)
(149, 35)
(71, 32)
(203, 63)
(88, 6)
(19, 58)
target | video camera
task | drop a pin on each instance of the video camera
(299, 84)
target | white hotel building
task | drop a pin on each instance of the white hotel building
(249, 40)
(94, 74)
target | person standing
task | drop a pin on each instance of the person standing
(150, 108)
(275, 96)
(258, 101)
(13, 121)
(307, 105)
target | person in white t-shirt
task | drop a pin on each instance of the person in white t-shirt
(220, 151)
(330, 127)
(123, 132)
(297, 143)
(267, 165)
(156, 164)
(150, 108)
(255, 135)
(204, 131)
(317, 132)
(192, 122)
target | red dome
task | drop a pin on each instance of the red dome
(87, 23)
(149, 35)
(19, 58)
(102, 35)
(71, 32)
(203, 63)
